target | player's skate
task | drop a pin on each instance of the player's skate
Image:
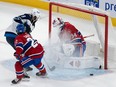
(40, 74)
(28, 69)
(26, 77)
(15, 81)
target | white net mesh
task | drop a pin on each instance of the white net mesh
(87, 23)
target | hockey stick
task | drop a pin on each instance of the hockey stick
(71, 42)
(89, 36)
(50, 68)
(3, 42)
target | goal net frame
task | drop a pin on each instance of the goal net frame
(51, 4)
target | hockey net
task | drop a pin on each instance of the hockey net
(89, 20)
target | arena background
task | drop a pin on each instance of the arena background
(108, 5)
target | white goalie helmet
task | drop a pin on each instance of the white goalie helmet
(58, 22)
(36, 13)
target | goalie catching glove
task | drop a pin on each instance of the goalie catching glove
(68, 49)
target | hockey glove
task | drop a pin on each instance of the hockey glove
(18, 19)
(16, 56)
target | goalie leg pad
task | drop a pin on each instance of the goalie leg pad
(82, 62)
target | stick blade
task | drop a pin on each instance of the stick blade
(52, 68)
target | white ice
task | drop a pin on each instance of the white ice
(58, 78)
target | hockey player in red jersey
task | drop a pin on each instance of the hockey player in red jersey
(69, 34)
(29, 20)
(28, 52)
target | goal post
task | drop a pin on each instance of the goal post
(58, 9)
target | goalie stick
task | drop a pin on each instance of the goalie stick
(71, 42)
(89, 36)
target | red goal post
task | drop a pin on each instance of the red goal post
(84, 11)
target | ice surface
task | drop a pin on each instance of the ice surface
(58, 77)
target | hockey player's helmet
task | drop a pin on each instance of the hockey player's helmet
(20, 28)
(35, 13)
(58, 22)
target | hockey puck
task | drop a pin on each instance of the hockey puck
(91, 74)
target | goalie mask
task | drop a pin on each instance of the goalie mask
(58, 22)
(36, 14)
